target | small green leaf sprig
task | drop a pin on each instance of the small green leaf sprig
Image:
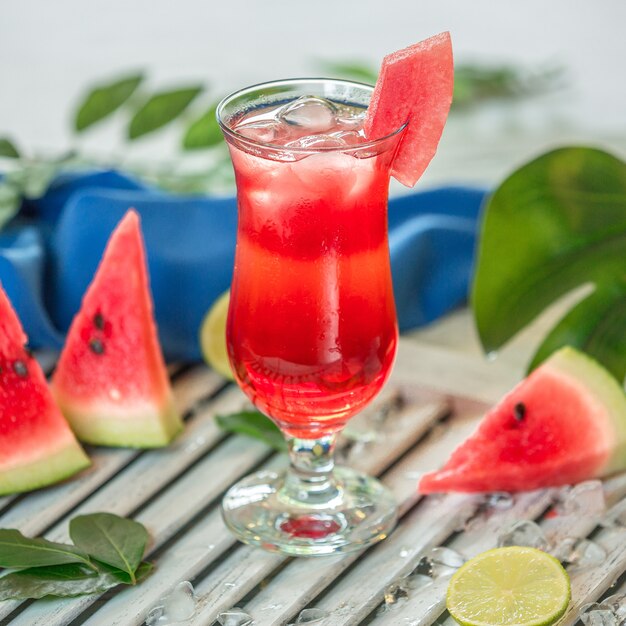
(107, 551)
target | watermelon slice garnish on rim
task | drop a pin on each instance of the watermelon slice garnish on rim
(111, 382)
(414, 87)
(37, 447)
(563, 424)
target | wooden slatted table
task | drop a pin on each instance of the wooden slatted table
(175, 493)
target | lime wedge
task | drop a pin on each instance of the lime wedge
(213, 336)
(509, 586)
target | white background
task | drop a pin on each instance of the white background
(50, 51)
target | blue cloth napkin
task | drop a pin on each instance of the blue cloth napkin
(49, 256)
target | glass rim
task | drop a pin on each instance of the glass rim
(229, 132)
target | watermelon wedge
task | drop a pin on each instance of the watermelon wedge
(111, 382)
(414, 87)
(565, 423)
(37, 447)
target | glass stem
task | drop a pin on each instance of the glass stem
(310, 480)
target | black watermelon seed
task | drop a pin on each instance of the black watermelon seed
(519, 411)
(96, 346)
(98, 320)
(19, 367)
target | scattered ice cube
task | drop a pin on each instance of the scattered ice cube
(616, 517)
(265, 131)
(310, 112)
(396, 593)
(580, 553)
(178, 606)
(585, 499)
(154, 616)
(311, 616)
(234, 617)
(598, 614)
(500, 501)
(417, 581)
(524, 533)
(439, 562)
(317, 141)
(617, 604)
(180, 603)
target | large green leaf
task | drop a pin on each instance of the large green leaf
(595, 326)
(103, 100)
(557, 223)
(161, 109)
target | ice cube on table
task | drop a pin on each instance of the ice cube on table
(314, 114)
(310, 616)
(499, 501)
(180, 603)
(155, 615)
(234, 617)
(617, 604)
(579, 553)
(598, 614)
(439, 562)
(524, 533)
(584, 499)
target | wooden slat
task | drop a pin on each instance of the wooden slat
(427, 604)
(32, 515)
(250, 566)
(168, 573)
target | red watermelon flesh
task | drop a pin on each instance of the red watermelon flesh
(111, 382)
(37, 447)
(563, 424)
(414, 87)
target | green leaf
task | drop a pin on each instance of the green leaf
(161, 109)
(55, 581)
(352, 70)
(253, 424)
(104, 100)
(204, 132)
(595, 326)
(142, 572)
(555, 224)
(10, 202)
(17, 551)
(8, 149)
(111, 539)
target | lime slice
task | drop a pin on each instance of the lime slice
(213, 336)
(506, 586)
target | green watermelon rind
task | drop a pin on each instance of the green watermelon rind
(601, 385)
(49, 469)
(147, 427)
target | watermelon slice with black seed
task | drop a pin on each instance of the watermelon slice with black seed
(37, 447)
(111, 382)
(563, 424)
(414, 87)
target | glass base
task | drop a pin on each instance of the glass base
(262, 511)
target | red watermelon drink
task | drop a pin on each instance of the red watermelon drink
(311, 329)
